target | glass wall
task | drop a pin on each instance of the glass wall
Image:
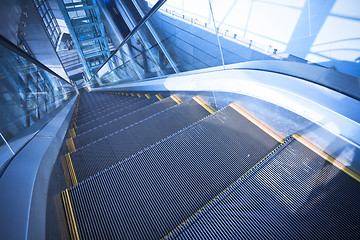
(47, 16)
(157, 49)
(87, 30)
(315, 31)
(28, 92)
(186, 35)
(172, 41)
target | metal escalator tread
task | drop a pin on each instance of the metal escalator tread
(93, 100)
(135, 137)
(122, 121)
(295, 195)
(119, 100)
(152, 192)
(109, 108)
(109, 116)
(105, 106)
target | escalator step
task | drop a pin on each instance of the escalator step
(107, 116)
(105, 106)
(295, 195)
(108, 109)
(93, 100)
(152, 192)
(133, 138)
(123, 121)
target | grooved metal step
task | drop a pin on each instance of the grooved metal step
(122, 121)
(108, 116)
(295, 195)
(90, 101)
(105, 107)
(112, 110)
(149, 194)
(133, 138)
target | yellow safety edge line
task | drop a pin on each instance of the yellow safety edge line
(258, 123)
(70, 215)
(147, 95)
(61, 217)
(159, 97)
(325, 156)
(71, 169)
(217, 196)
(139, 95)
(72, 132)
(176, 99)
(202, 102)
(66, 171)
(70, 144)
(67, 214)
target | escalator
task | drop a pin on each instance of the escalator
(149, 166)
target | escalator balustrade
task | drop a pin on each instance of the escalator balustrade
(141, 166)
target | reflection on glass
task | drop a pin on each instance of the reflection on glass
(160, 47)
(27, 93)
(307, 31)
(185, 35)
